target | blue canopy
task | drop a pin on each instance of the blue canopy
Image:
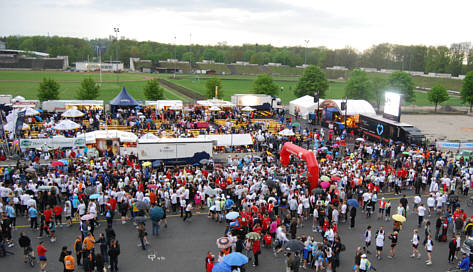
(123, 99)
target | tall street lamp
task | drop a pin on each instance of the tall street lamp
(116, 29)
(305, 54)
(175, 58)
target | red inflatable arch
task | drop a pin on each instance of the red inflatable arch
(309, 157)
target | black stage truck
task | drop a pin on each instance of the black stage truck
(379, 128)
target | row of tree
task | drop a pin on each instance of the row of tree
(313, 81)
(49, 89)
(359, 86)
(456, 59)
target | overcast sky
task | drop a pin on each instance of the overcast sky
(332, 23)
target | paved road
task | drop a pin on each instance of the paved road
(183, 246)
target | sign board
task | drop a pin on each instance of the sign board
(454, 145)
(52, 143)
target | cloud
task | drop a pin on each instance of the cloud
(279, 22)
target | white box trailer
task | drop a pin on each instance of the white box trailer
(175, 150)
(61, 105)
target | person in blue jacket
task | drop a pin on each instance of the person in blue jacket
(465, 263)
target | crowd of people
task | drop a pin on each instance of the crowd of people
(272, 203)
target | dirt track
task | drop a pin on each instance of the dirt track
(442, 127)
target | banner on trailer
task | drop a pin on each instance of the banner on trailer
(52, 143)
(454, 145)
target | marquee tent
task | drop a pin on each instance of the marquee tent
(123, 99)
(304, 105)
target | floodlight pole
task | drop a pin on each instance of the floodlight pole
(116, 29)
(100, 63)
(175, 57)
(305, 54)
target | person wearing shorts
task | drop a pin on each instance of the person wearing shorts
(41, 252)
(393, 238)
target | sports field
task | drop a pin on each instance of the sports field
(25, 83)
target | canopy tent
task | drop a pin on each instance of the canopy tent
(10, 126)
(66, 125)
(215, 102)
(304, 105)
(123, 99)
(71, 113)
(149, 136)
(161, 104)
(30, 112)
(123, 136)
(354, 107)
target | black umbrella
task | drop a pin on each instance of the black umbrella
(90, 190)
(271, 184)
(294, 245)
(141, 205)
(317, 191)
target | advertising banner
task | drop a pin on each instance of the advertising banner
(52, 143)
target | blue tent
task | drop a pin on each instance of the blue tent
(123, 99)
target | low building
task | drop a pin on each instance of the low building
(107, 66)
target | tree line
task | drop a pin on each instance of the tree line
(455, 59)
(313, 82)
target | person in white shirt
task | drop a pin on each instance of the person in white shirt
(421, 213)
(188, 212)
(417, 201)
(429, 246)
(430, 204)
(379, 242)
(415, 244)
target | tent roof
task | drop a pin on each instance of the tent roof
(124, 99)
(305, 101)
(354, 107)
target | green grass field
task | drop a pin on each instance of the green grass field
(26, 84)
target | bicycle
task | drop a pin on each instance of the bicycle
(30, 258)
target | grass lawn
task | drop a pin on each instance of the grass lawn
(26, 84)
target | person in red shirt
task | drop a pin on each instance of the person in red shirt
(209, 262)
(41, 252)
(256, 251)
(48, 214)
(58, 215)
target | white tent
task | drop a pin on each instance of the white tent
(66, 125)
(304, 104)
(123, 136)
(30, 112)
(215, 102)
(354, 107)
(287, 132)
(72, 113)
(149, 136)
(247, 109)
(10, 126)
(160, 104)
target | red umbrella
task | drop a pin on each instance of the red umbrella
(335, 178)
(152, 186)
(57, 163)
(325, 184)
